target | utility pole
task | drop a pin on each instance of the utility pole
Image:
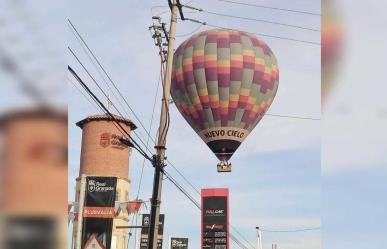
(158, 159)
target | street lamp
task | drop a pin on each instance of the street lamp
(259, 238)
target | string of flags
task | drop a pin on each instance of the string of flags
(130, 207)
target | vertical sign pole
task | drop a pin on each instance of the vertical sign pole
(81, 204)
(158, 160)
(259, 238)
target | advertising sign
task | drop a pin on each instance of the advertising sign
(98, 211)
(179, 243)
(215, 228)
(145, 231)
(24, 232)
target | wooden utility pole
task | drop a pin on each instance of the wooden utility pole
(158, 159)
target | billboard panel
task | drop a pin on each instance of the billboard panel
(98, 211)
(145, 231)
(179, 243)
(214, 220)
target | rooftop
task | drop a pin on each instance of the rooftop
(106, 117)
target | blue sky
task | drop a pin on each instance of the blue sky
(353, 138)
(275, 181)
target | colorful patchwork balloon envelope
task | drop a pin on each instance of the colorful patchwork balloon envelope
(223, 82)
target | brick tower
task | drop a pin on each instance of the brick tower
(103, 154)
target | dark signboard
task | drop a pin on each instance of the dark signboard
(215, 230)
(145, 231)
(179, 243)
(28, 232)
(98, 211)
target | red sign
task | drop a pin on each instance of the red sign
(215, 219)
(99, 212)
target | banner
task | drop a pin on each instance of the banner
(215, 216)
(98, 211)
(145, 231)
(179, 243)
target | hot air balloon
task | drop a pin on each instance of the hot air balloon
(332, 41)
(223, 82)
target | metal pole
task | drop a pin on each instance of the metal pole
(158, 159)
(81, 204)
(259, 238)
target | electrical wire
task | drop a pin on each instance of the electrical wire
(271, 36)
(135, 144)
(169, 177)
(148, 133)
(103, 92)
(270, 7)
(144, 161)
(291, 231)
(98, 108)
(189, 196)
(259, 34)
(182, 190)
(84, 95)
(149, 137)
(261, 20)
(191, 33)
(147, 143)
(97, 69)
(108, 76)
(290, 116)
(158, 7)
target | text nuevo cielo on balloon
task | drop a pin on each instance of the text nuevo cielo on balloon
(229, 133)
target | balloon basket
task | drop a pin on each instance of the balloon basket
(224, 167)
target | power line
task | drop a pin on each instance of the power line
(147, 144)
(169, 177)
(135, 144)
(173, 166)
(158, 7)
(182, 190)
(271, 7)
(108, 76)
(291, 231)
(84, 95)
(95, 104)
(261, 20)
(150, 127)
(97, 69)
(191, 33)
(103, 92)
(290, 116)
(137, 118)
(271, 36)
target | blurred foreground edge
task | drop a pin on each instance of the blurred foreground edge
(33, 179)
